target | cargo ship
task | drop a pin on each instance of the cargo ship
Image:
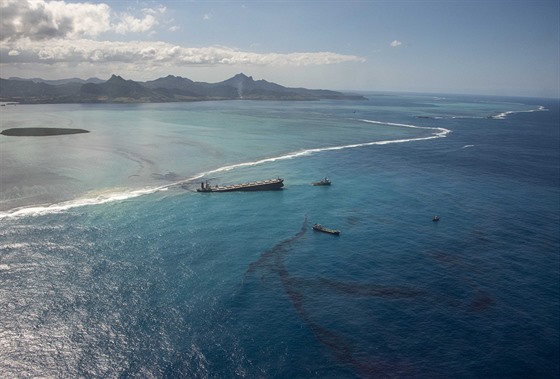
(263, 185)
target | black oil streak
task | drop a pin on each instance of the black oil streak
(273, 261)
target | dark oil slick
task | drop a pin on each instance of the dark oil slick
(341, 347)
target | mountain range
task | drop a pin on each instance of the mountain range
(167, 89)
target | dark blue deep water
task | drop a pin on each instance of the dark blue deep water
(113, 266)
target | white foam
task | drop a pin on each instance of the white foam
(106, 197)
(13, 246)
(504, 115)
(467, 146)
(440, 133)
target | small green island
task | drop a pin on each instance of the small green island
(40, 132)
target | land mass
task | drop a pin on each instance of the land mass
(40, 132)
(168, 89)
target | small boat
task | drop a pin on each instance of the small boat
(435, 218)
(320, 228)
(323, 182)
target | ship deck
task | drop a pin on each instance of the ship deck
(263, 185)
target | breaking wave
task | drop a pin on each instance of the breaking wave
(504, 115)
(38, 210)
(106, 197)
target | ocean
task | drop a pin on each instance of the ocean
(113, 266)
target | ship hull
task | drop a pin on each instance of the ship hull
(265, 185)
(320, 228)
(322, 182)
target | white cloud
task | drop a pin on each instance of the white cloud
(44, 20)
(156, 53)
(135, 25)
(396, 43)
(41, 33)
(160, 10)
(206, 17)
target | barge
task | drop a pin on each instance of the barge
(321, 228)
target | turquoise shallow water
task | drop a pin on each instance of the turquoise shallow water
(110, 268)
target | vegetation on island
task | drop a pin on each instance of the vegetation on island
(40, 132)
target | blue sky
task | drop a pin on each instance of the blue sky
(493, 47)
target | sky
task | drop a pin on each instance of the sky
(484, 47)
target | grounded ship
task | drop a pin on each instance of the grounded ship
(264, 185)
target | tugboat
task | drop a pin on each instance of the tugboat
(264, 185)
(323, 182)
(320, 228)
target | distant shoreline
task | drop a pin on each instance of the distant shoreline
(163, 90)
(41, 132)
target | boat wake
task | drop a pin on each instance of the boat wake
(106, 197)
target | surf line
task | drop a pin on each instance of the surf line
(439, 133)
(38, 210)
(504, 115)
